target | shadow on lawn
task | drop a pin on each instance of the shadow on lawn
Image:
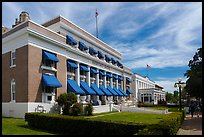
(35, 129)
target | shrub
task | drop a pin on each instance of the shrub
(72, 125)
(76, 110)
(88, 110)
(66, 101)
(140, 104)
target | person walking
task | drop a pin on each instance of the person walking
(192, 108)
(197, 109)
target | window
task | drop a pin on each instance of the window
(13, 90)
(48, 89)
(13, 58)
(49, 98)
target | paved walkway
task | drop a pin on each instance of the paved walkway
(191, 126)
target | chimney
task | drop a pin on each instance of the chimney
(4, 29)
(24, 16)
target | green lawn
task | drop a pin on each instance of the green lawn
(137, 117)
(18, 126)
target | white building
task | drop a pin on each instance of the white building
(146, 90)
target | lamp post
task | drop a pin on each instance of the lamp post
(179, 83)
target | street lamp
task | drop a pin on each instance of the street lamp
(179, 83)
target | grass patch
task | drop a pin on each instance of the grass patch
(136, 117)
(18, 126)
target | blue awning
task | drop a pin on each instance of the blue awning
(100, 55)
(112, 91)
(120, 78)
(122, 91)
(113, 61)
(115, 76)
(109, 75)
(82, 46)
(107, 93)
(86, 88)
(93, 71)
(50, 56)
(72, 64)
(50, 81)
(70, 40)
(96, 89)
(107, 58)
(85, 68)
(128, 80)
(102, 73)
(72, 86)
(119, 64)
(128, 91)
(117, 91)
(92, 51)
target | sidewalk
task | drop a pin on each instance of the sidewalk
(191, 126)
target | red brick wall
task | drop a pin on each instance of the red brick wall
(19, 73)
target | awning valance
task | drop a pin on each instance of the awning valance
(96, 89)
(112, 91)
(50, 81)
(85, 68)
(117, 91)
(72, 64)
(120, 78)
(102, 73)
(108, 75)
(50, 56)
(123, 92)
(128, 91)
(115, 76)
(70, 40)
(86, 88)
(93, 70)
(107, 93)
(72, 86)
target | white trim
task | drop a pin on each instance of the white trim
(13, 83)
(48, 68)
(12, 64)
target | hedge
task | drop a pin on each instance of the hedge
(168, 126)
(78, 125)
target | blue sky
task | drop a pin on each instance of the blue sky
(164, 35)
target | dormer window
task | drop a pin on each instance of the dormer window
(70, 40)
(82, 46)
(107, 58)
(92, 51)
(100, 55)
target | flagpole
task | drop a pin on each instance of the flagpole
(96, 24)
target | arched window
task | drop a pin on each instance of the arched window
(13, 90)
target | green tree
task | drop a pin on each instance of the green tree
(169, 97)
(65, 101)
(194, 75)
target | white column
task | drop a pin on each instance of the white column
(88, 97)
(117, 83)
(77, 78)
(111, 82)
(104, 83)
(104, 80)
(97, 83)
(97, 78)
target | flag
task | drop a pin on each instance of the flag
(148, 66)
(96, 13)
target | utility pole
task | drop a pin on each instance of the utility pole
(96, 24)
